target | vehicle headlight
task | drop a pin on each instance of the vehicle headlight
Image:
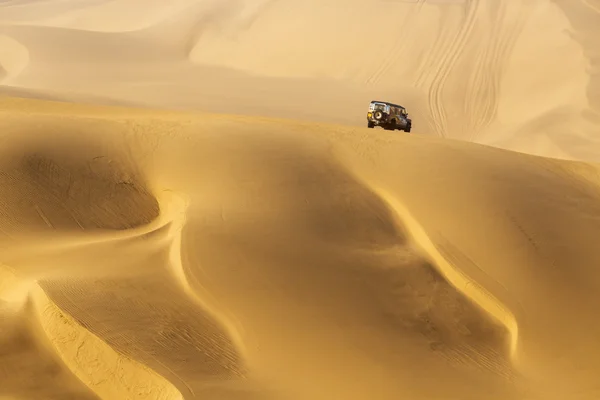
(369, 114)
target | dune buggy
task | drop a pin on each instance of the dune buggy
(389, 116)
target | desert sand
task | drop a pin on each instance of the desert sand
(192, 207)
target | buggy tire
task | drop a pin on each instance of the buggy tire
(391, 126)
(370, 125)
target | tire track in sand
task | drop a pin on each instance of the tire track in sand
(442, 38)
(451, 56)
(481, 101)
(399, 44)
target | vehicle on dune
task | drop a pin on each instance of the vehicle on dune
(389, 116)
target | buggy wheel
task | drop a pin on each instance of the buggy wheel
(370, 124)
(391, 126)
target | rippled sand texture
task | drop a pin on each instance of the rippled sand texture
(517, 74)
(162, 254)
(155, 255)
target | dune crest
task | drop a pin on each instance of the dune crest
(109, 374)
(465, 70)
(457, 278)
(192, 206)
(290, 240)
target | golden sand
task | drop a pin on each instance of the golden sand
(264, 244)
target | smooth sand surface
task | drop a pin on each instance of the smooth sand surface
(191, 206)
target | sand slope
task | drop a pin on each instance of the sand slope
(246, 258)
(148, 253)
(465, 69)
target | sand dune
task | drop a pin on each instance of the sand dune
(466, 70)
(246, 258)
(243, 236)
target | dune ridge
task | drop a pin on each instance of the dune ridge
(105, 372)
(467, 285)
(331, 234)
(465, 70)
(175, 207)
(192, 208)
